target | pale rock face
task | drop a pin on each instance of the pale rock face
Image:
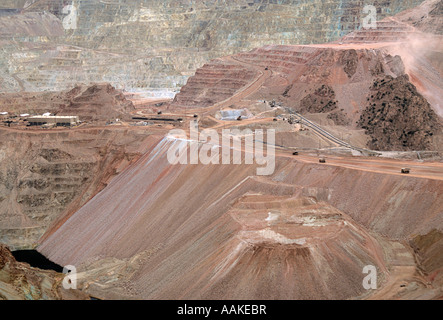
(154, 46)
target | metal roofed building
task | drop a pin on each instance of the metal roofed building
(56, 120)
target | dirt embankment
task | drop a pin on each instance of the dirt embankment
(398, 117)
(99, 102)
(428, 249)
(208, 229)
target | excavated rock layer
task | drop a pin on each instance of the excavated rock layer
(110, 43)
(295, 76)
(213, 83)
(414, 36)
(321, 101)
(387, 30)
(314, 79)
(429, 248)
(398, 117)
(427, 17)
(30, 24)
(19, 281)
(159, 231)
(44, 174)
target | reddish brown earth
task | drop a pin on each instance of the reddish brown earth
(159, 231)
(297, 73)
(249, 225)
(97, 102)
(213, 83)
(428, 248)
(294, 76)
(304, 232)
(427, 17)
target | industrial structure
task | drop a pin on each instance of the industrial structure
(66, 121)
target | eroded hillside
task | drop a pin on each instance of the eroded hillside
(398, 117)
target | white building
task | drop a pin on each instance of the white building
(56, 120)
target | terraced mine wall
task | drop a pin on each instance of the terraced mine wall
(154, 46)
(8, 4)
(46, 174)
(299, 73)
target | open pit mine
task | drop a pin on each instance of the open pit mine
(98, 97)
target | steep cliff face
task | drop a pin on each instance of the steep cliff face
(155, 46)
